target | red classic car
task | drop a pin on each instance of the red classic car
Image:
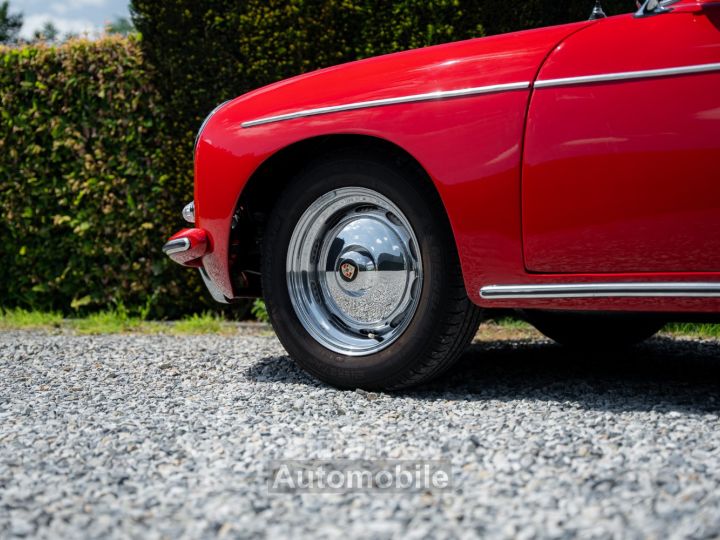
(571, 173)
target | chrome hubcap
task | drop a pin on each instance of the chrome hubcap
(354, 271)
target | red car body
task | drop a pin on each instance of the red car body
(585, 155)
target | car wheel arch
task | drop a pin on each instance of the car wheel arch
(260, 192)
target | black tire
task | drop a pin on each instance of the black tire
(594, 330)
(445, 319)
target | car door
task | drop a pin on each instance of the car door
(621, 170)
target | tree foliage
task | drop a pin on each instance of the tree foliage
(121, 25)
(10, 23)
(48, 32)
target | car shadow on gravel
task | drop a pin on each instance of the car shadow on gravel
(662, 374)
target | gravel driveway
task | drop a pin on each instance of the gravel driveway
(166, 436)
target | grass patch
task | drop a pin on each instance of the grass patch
(118, 321)
(504, 329)
(207, 323)
(512, 328)
(111, 322)
(21, 318)
(511, 323)
(693, 330)
(699, 330)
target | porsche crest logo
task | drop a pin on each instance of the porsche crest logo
(348, 271)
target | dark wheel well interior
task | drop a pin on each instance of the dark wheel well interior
(262, 189)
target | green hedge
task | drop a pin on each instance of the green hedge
(96, 137)
(85, 200)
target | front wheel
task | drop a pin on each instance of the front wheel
(361, 276)
(593, 330)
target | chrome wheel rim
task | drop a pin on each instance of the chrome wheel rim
(354, 271)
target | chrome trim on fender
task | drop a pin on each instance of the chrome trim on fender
(600, 290)
(625, 75)
(213, 289)
(430, 96)
(176, 246)
(205, 121)
(479, 90)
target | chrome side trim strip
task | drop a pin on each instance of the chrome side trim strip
(430, 96)
(648, 73)
(445, 94)
(176, 246)
(600, 290)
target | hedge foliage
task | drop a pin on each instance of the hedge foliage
(86, 204)
(96, 137)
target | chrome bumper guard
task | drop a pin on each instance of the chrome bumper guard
(212, 288)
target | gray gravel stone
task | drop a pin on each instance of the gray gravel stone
(170, 437)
